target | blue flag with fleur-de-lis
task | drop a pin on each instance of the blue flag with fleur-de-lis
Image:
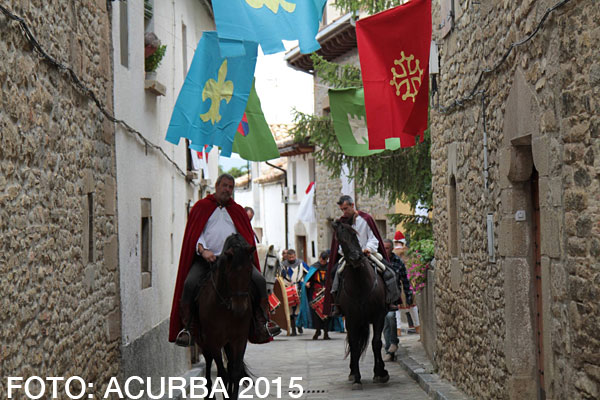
(213, 97)
(268, 22)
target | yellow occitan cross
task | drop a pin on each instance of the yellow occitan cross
(216, 91)
(272, 5)
(409, 76)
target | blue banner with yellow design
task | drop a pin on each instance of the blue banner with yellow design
(268, 22)
(213, 97)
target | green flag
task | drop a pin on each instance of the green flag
(253, 140)
(350, 122)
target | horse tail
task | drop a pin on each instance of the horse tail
(363, 331)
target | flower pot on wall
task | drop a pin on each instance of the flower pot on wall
(150, 75)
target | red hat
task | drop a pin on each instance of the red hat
(399, 237)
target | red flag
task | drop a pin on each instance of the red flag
(393, 47)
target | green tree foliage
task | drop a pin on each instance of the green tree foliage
(403, 174)
(237, 172)
(369, 6)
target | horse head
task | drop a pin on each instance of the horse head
(347, 238)
(236, 263)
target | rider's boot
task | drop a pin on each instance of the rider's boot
(262, 329)
(335, 309)
(184, 337)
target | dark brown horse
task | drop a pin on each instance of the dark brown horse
(361, 297)
(225, 312)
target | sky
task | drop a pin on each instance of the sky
(280, 89)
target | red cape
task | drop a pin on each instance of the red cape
(333, 258)
(197, 219)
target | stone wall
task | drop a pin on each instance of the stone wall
(542, 113)
(59, 302)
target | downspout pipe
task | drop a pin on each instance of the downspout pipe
(285, 203)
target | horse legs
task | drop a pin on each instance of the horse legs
(221, 371)
(235, 367)
(380, 375)
(208, 359)
(353, 342)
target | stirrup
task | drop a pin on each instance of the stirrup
(273, 328)
(180, 339)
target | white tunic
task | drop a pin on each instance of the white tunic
(218, 228)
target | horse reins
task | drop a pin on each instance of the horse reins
(372, 288)
(226, 301)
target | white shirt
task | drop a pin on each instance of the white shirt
(220, 225)
(366, 237)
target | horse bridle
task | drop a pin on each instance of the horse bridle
(227, 301)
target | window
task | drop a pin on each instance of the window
(293, 168)
(188, 156)
(124, 33)
(453, 218)
(146, 243)
(184, 49)
(311, 169)
(90, 202)
(446, 17)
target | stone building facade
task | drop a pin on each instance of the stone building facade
(516, 200)
(59, 285)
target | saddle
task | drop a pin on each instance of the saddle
(387, 274)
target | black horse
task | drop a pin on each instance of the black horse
(225, 309)
(361, 297)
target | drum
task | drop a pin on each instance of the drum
(273, 302)
(281, 315)
(317, 304)
(292, 296)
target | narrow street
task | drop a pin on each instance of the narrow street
(324, 369)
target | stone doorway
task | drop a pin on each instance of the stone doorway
(529, 241)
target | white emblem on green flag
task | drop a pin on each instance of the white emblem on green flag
(350, 122)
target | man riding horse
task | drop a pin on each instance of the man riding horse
(210, 222)
(370, 243)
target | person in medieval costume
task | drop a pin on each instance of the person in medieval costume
(371, 243)
(293, 271)
(210, 222)
(311, 313)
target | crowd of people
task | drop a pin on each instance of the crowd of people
(217, 216)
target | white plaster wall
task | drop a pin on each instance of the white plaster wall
(273, 212)
(302, 182)
(143, 173)
(244, 197)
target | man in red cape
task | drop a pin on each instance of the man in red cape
(368, 237)
(211, 220)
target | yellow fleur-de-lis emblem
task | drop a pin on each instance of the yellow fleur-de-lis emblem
(216, 91)
(272, 5)
(409, 75)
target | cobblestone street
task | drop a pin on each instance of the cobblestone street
(324, 370)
